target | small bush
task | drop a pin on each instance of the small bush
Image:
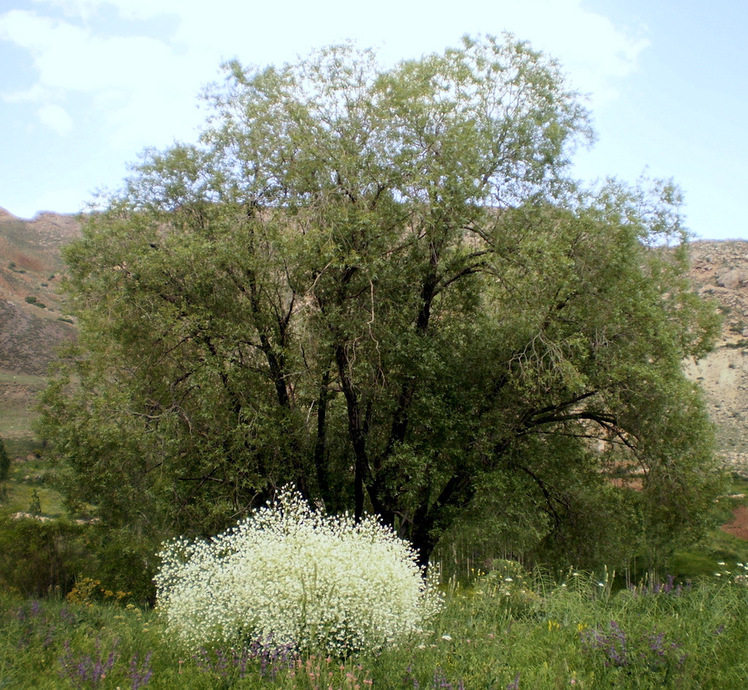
(37, 557)
(297, 578)
(123, 561)
(4, 462)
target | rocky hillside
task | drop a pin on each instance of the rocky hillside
(32, 316)
(719, 271)
(33, 323)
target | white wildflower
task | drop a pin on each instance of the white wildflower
(296, 577)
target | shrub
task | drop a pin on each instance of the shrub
(123, 561)
(293, 577)
(38, 557)
(4, 462)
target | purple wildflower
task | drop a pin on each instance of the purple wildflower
(441, 681)
(612, 644)
(87, 670)
(140, 674)
(264, 654)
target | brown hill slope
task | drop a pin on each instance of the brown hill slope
(32, 319)
(719, 271)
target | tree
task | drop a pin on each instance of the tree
(4, 462)
(383, 286)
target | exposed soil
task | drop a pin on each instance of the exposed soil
(739, 525)
(29, 341)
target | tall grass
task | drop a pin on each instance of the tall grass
(504, 631)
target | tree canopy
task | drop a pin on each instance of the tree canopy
(383, 286)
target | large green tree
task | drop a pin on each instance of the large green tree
(383, 286)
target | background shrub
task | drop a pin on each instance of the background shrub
(38, 558)
(4, 462)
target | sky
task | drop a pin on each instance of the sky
(87, 85)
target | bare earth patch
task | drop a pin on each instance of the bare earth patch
(739, 525)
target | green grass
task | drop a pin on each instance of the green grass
(23, 447)
(530, 633)
(29, 473)
(533, 632)
(704, 558)
(16, 422)
(495, 635)
(30, 380)
(20, 497)
(17, 398)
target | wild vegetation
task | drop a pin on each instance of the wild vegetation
(292, 578)
(507, 631)
(382, 288)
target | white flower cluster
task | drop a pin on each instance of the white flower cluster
(294, 577)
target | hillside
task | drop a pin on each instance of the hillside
(719, 271)
(32, 316)
(33, 324)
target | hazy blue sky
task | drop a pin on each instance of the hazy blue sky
(85, 85)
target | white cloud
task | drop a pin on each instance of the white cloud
(70, 57)
(62, 200)
(142, 85)
(55, 118)
(142, 82)
(595, 53)
(128, 9)
(36, 94)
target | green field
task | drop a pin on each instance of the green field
(17, 397)
(494, 634)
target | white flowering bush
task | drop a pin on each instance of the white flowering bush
(291, 576)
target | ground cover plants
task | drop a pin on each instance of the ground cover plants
(526, 631)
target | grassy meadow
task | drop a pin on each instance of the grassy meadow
(495, 633)
(504, 628)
